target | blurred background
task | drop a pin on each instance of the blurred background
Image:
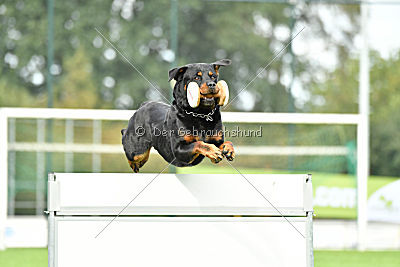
(79, 55)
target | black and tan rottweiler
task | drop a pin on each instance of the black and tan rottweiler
(188, 130)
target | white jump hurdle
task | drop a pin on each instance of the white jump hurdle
(180, 220)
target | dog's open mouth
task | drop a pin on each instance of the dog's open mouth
(207, 101)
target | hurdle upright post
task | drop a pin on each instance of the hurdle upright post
(3, 175)
(50, 219)
(363, 134)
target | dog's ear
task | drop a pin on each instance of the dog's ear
(176, 72)
(221, 62)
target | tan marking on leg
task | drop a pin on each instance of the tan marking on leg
(214, 138)
(190, 138)
(194, 157)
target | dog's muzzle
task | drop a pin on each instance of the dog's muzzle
(194, 96)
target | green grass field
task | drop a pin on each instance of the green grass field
(37, 257)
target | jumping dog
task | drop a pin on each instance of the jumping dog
(188, 130)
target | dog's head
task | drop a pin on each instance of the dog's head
(197, 85)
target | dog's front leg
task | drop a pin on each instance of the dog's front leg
(189, 152)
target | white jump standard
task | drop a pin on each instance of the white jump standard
(180, 220)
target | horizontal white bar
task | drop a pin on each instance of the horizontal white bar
(231, 117)
(240, 150)
(63, 113)
(62, 147)
(181, 211)
(182, 218)
(290, 118)
(179, 194)
(293, 150)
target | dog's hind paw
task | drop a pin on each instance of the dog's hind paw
(135, 169)
(134, 166)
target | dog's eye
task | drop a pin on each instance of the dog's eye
(197, 78)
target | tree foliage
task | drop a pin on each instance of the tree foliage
(340, 94)
(248, 33)
(77, 88)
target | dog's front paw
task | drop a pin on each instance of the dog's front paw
(214, 154)
(227, 150)
(208, 150)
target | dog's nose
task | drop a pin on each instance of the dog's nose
(211, 85)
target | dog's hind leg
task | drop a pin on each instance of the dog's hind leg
(136, 147)
(139, 160)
